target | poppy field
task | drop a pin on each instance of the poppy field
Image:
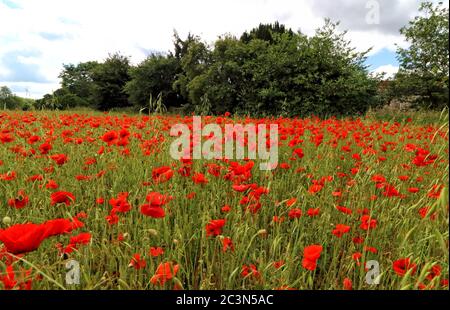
(101, 190)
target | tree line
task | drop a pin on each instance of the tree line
(269, 70)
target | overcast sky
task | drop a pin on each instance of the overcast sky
(37, 37)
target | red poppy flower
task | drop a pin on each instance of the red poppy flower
(199, 178)
(214, 227)
(162, 174)
(344, 210)
(315, 188)
(278, 264)
(241, 187)
(191, 195)
(8, 176)
(310, 256)
(8, 280)
(367, 222)
(120, 203)
(227, 243)
(225, 209)
(347, 284)
(23, 238)
(112, 218)
(250, 271)
(423, 212)
(285, 166)
(370, 249)
(156, 251)
(157, 199)
(62, 197)
(165, 272)
(20, 202)
(60, 159)
(110, 137)
(299, 152)
(356, 257)
(313, 212)
(403, 265)
(340, 230)
(44, 148)
(61, 226)
(51, 184)
(377, 178)
(277, 219)
(435, 271)
(82, 238)
(358, 240)
(403, 177)
(137, 262)
(291, 202)
(153, 211)
(295, 213)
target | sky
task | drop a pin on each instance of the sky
(38, 37)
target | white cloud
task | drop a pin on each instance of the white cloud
(389, 70)
(71, 31)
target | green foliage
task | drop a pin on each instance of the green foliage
(6, 97)
(194, 63)
(156, 106)
(109, 80)
(266, 32)
(155, 75)
(424, 66)
(287, 74)
(78, 80)
(10, 101)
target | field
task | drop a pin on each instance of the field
(100, 194)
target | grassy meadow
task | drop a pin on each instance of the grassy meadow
(103, 190)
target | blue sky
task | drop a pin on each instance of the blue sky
(381, 58)
(38, 37)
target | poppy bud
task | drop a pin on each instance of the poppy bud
(262, 232)
(6, 220)
(153, 232)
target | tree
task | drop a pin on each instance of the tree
(109, 80)
(194, 62)
(289, 74)
(10, 101)
(424, 67)
(154, 75)
(5, 97)
(78, 81)
(266, 32)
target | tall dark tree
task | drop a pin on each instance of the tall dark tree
(194, 62)
(181, 46)
(109, 80)
(265, 32)
(424, 66)
(154, 75)
(78, 81)
(5, 97)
